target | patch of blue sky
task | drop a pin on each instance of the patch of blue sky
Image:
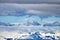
(11, 19)
(52, 19)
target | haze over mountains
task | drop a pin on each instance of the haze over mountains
(34, 23)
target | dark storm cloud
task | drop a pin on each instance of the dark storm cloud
(31, 1)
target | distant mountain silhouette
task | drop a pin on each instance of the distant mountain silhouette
(5, 24)
(52, 24)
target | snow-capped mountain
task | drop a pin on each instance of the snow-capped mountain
(40, 36)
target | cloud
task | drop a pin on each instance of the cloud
(36, 9)
(30, 1)
(22, 29)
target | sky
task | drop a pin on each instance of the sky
(30, 14)
(31, 1)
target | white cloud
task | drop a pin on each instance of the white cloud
(33, 11)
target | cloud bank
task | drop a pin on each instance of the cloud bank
(33, 9)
